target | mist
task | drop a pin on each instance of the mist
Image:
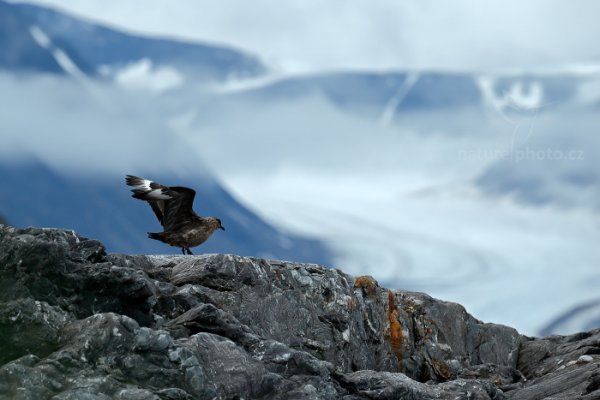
(86, 129)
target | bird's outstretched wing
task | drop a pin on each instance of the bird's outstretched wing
(172, 205)
(178, 209)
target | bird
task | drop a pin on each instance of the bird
(182, 227)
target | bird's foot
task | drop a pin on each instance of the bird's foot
(189, 251)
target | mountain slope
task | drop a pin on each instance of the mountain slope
(93, 46)
(19, 49)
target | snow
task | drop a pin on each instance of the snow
(518, 97)
(65, 62)
(144, 76)
(40, 37)
(392, 105)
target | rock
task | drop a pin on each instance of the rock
(391, 386)
(76, 323)
(561, 367)
(30, 327)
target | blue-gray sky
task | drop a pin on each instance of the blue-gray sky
(309, 35)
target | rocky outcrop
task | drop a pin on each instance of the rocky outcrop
(77, 323)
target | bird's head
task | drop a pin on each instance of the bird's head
(216, 223)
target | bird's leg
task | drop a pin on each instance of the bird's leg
(189, 251)
(183, 251)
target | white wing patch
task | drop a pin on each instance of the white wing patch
(150, 193)
(157, 194)
(145, 184)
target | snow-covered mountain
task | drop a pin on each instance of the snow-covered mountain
(27, 30)
(385, 94)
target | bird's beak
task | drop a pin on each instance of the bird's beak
(221, 228)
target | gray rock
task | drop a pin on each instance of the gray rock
(561, 367)
(76, 323)
(29, 326)
(389, 386)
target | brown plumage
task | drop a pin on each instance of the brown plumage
(182, 227)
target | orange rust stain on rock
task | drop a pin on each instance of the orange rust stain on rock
(395, 330)
(367, 284)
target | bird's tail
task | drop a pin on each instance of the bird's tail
(157, 236)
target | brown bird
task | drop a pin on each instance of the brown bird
(182, 227)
